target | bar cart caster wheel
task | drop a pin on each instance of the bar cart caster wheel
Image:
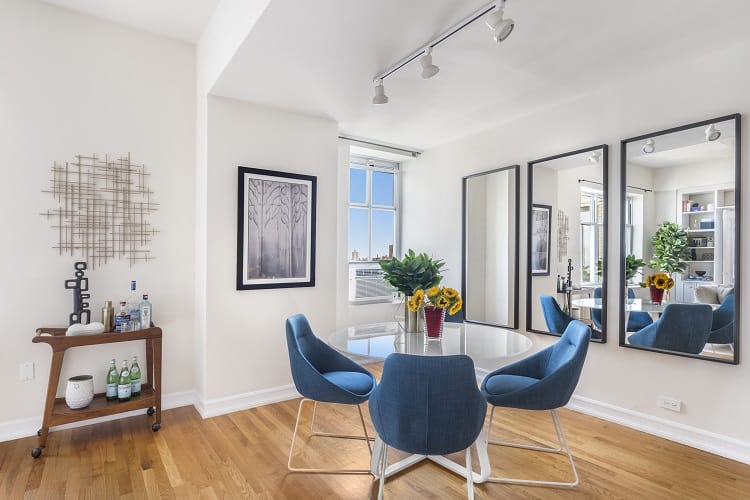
(36, 452)
(155, 427)
(150, 411)
(39, 433)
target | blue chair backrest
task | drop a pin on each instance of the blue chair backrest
(428, 405)
(722, 325)
(555, 318)
(596, 314)
(684, 328)
(566, 359)
(455, 318)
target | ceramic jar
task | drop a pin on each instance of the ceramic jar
(79, 392)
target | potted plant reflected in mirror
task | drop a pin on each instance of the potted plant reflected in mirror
(633, 266)
(657, 285)
(413, 272)
(434, 303)
(670, 244)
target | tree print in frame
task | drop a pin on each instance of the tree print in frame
(540, 239)
(275, 229)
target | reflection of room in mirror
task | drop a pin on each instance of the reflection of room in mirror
(688, 180)
(572, 186)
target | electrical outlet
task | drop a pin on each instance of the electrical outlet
(670, 404)
(26, 371)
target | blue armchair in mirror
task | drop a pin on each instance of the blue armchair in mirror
(722, 325)
(682, 327)
(637, 321)
(556, 319)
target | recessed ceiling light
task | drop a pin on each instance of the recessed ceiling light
(712, 133)
(380, 97)
(502, 28)
(428, 69)
(649, 147)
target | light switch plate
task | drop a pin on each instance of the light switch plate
(26, 371)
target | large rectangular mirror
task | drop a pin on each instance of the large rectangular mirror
(490, 247)
(567, 242)
(681, 240)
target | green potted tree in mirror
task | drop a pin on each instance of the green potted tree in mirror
(413, 272)
(670, 243)
(434, 303)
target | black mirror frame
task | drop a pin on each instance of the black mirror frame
(605, 266)
(517, 171)
(738, 224)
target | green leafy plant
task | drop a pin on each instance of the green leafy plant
(670, 244)
(413, 272)
(632, 266)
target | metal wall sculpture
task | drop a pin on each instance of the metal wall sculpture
(104, 208)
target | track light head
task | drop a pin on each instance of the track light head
(712, 133)
(594, 157)
(502, 28)
(380, 97)
(428, 69)
(649, 147)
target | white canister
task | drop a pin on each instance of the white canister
(80, 391)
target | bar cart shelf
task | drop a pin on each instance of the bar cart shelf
(56, 412)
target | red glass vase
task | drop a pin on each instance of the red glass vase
(657, 295)
(434, 317)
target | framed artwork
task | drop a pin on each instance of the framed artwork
(275, 229)
(540, 238)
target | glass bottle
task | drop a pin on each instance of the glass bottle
(146, 312)
(112, 380)
(134, 305)
(123, 384)
(135, 377)
(122, 320)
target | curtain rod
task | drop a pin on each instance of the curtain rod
(382, 147)
(631, 187)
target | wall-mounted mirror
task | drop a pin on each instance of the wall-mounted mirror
(567, 242)
(490, 247)
(680, 240)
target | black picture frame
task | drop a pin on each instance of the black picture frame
(540, 235)
(738, 233)
(275, 229)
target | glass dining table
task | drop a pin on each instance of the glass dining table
(489, 347)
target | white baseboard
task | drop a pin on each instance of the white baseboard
(220, 406)
(717, 444)
(25, 427)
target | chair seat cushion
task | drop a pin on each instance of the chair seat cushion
(354, 382)
(504, 384)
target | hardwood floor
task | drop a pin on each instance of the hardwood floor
(243, 455)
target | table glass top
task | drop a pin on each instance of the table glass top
(489, 347)
(630, 306)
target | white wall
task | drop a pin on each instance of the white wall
(245, 343)
(72, 84)
(715, 396)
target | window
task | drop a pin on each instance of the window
(592, 235)
(629, 226)
(373, 226)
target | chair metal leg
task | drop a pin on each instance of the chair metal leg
(520, 445)
(562, 441)
(383, 466)
(469, 476)
(323, 470)
(341, 436)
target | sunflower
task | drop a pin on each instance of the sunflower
(442, 303)
(670, 283)
(660, 282)
(451, 293)
(456, 307)
(416, 300)
(433, 291)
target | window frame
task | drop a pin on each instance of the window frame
(594, 196)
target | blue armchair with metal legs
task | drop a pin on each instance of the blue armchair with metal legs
(427, 405)
(557, 321)
(323, 375)
(543, 381)
(636, 321)
(722, 323)
(682, 327)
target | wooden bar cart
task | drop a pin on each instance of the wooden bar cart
(56, 412)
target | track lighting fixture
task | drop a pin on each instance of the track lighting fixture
(493, 15)
(594, 157)
(502, 28)
(649, 147)
(428, 69)
(380, 97)
(712, 133)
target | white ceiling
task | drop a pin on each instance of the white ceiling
(319, 58)
(180, 19)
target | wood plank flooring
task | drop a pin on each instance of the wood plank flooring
(244, 454)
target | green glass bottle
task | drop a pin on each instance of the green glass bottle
(123, 383)
(112, 379)
(135, 377)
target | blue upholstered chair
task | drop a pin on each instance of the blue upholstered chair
(455, 318)
(682, 327)
(427, 405)
(543, 381)
(321, 374)
(557, 321)
(722, 324)
(637, 320)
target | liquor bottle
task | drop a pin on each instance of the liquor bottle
(134, 305)
(108, 316)
(146, 312)
(135, 377)
(122, 320)
(112, 379)
(123, 383)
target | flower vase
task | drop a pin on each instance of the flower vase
(412, 319)
(657, 294)
(434, 318)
